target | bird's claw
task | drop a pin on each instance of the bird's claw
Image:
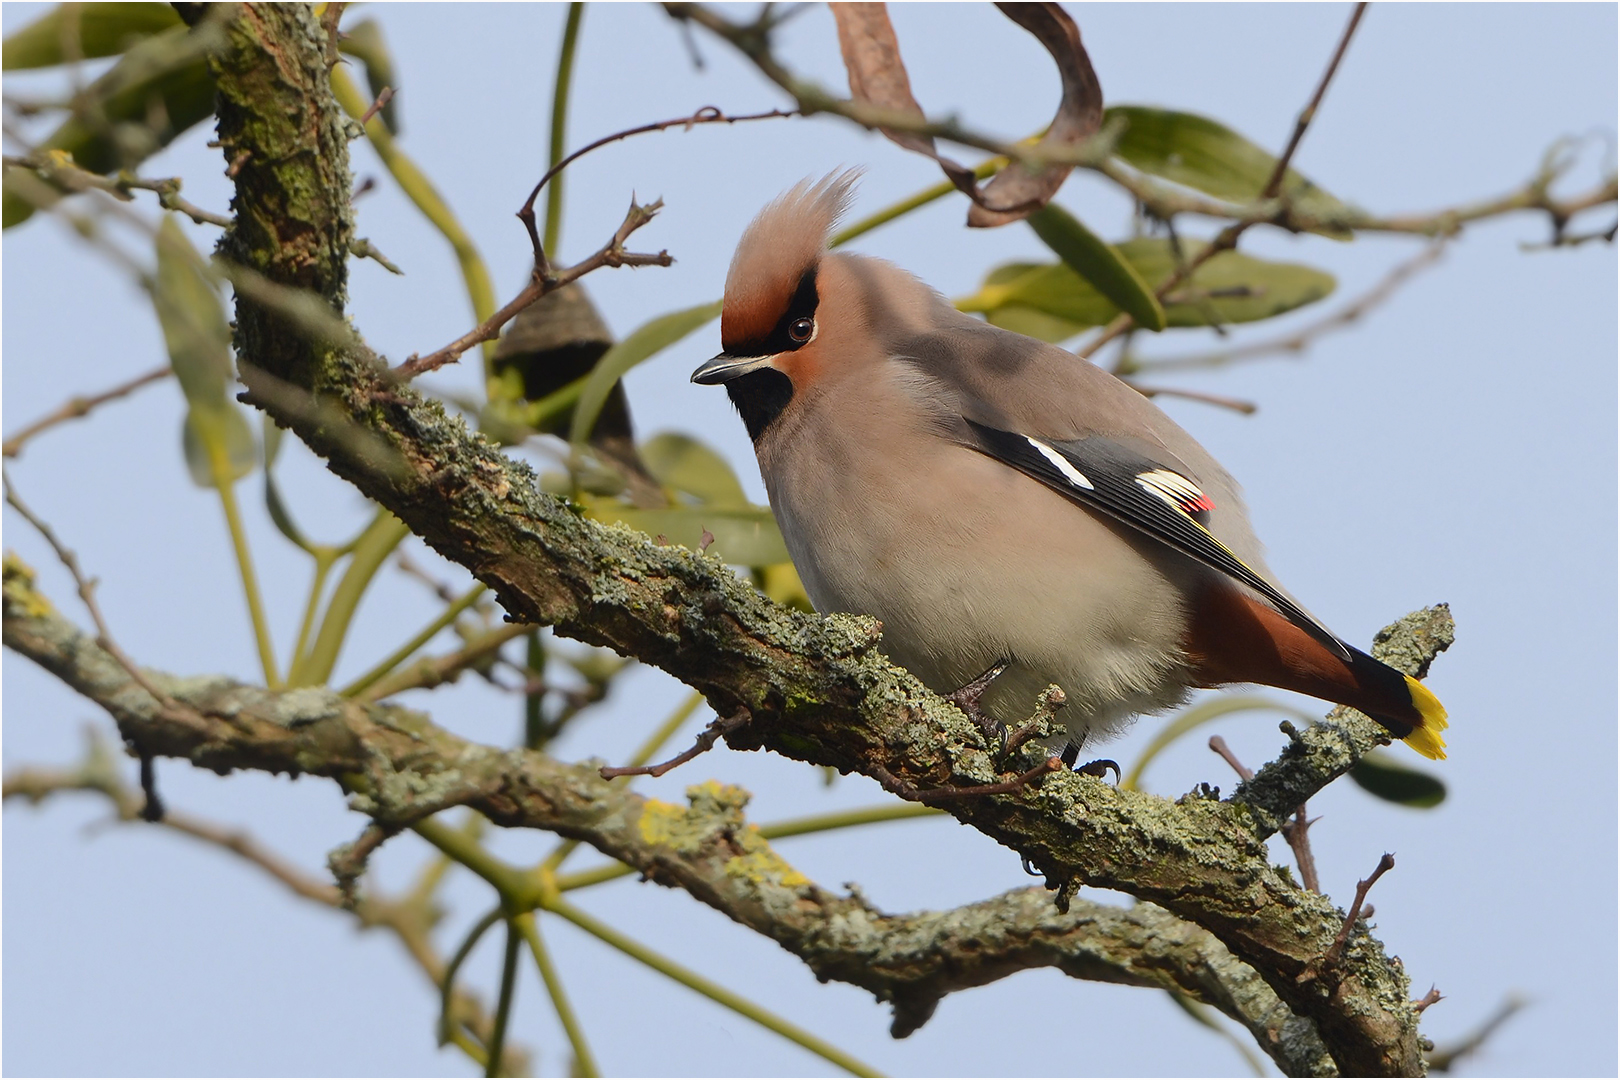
(1099, 768)
(967, 698)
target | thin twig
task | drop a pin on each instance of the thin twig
(329, 23)
(1247, 408)
(362, 248)
(1562, 239)
(1048, 704)
(1274, 185)
(348, 861)
(705, 741)
(1336, 950)
(1443, 1059)
(709, 114)
(409, 919)
(751, 41)
(377, 106)
(61, 172)
(1218, 744)
(1434, 996)
(411, 568)
(1297, 834)
(429, 672)
(87, 593)
(36, 785)
(76, 407)
(610, 254)
(1302, 338)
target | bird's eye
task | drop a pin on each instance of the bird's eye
(801, 329)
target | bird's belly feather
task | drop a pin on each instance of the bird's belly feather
(1103, 616)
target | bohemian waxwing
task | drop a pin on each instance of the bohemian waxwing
(991, 498)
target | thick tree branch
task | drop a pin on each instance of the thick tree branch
(817, 688)
(400, 768)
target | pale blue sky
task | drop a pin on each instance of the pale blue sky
(1458, 445)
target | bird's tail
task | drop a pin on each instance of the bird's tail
(1236, 638)
(1399, 702)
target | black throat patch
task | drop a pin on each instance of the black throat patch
(760, 397)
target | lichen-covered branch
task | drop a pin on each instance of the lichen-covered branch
(817, 689)
(400, 768)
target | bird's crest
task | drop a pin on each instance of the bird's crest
(781, 245)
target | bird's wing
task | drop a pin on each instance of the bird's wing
(1155, 499)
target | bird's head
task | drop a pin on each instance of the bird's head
(781, 301)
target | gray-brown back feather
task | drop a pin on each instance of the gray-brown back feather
(1019, 384)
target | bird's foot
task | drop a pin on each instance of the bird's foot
(967, 698)
(1098, 768)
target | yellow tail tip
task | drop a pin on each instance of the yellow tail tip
(1425, 738)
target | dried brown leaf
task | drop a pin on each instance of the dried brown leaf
(1016, 192)
(877, 77)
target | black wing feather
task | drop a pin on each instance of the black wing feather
(1105, 476)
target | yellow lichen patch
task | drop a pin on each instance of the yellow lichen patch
(715, 808)
(664, 824)
(760, 865)
(19, 579)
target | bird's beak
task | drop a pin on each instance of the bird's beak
(724, 368)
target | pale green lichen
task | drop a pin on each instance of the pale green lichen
(304, 705)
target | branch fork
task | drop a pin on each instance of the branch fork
(541, 282)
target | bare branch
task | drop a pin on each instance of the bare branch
(1228, 237)
(410, 919)
(78, 406)
(432, 671)
(1247, 408)
(610, 254)
(1307, 114)
(1335, 952)
(708, 114)
(87, 593)
(1305, 336)
(705, 742)
(377, 106)
(60, 172)
(1298, 835)
(1445, 1058)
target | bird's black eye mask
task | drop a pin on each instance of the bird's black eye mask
(761, 395)
(801, 308)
